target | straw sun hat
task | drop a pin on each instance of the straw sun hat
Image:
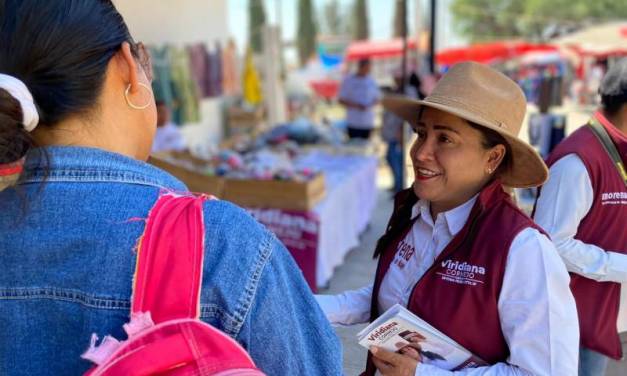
(480, 94)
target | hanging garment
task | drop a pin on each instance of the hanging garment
(230, 70)
(162, 79)
(216, 71)
(251, 83)
(185, 90)
(199, 64)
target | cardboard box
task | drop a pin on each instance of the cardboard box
(241, 121)
(271, 194)
(193, 179)
(275, 194)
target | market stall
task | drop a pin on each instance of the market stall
(193, 65)
(320, 238)
(347, 209)
(593, 49)
(317, 200)
(489, 52)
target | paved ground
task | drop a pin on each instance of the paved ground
(619, 368)
(358, 270)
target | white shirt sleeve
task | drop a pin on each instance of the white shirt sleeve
(347, 308)
(564, 201)
(538, 315)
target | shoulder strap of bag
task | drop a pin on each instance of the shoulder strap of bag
(168, 274)
(605, 140)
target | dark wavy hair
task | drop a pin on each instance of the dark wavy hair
(60, 49)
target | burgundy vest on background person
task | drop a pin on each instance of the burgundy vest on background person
(459, 293)
(605, 226)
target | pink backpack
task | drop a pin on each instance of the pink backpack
(165, 335)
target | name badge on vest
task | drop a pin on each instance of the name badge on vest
(404, 253)
(461, 273)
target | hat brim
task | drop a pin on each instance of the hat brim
(527, 169)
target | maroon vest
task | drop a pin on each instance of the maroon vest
(459, 294)
(605, 226)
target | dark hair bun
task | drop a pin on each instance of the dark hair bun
(14, 139)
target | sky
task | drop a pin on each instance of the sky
(380, 13)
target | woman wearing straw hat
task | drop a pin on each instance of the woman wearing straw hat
(457, 252)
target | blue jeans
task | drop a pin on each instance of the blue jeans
(394, 158)
(591, 363)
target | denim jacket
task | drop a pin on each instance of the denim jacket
(67, 260)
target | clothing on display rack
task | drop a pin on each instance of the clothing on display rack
(184, 75)
(162, 78)
(231, 84)
(199, 65)
(186, 92)
(215, 71)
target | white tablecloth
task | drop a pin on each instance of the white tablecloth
(351, 195)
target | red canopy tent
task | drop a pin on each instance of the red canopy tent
(489, 52)
(366, 49)
(379, 49)
(481, 52)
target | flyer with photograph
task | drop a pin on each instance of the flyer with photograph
(401, 331)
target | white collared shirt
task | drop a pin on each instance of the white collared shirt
(408, 266)
(560, 211)
(536, 308)
(364, 91)
(564, 201)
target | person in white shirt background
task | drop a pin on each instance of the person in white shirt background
(392, 128)
(467, 145)
(569, 197)
(168, 136)
(359, 93)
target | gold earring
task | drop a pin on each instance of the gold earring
(490, 171)
(128, 101)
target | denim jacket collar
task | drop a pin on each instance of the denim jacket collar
(81, 164)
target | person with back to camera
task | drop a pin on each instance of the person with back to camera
(75, 102)
(457, 252)
(583, 207)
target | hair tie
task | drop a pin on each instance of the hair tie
(13, 168)
(15, 87)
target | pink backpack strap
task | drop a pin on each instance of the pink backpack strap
(168, 274)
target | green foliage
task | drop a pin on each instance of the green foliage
(486, 19)
(500, 19)
(399, 19)
(334, 23)
(577, 11)
(360, 29)
(307, 30)
(257, 16)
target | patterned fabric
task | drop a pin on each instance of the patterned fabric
(185, 89)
